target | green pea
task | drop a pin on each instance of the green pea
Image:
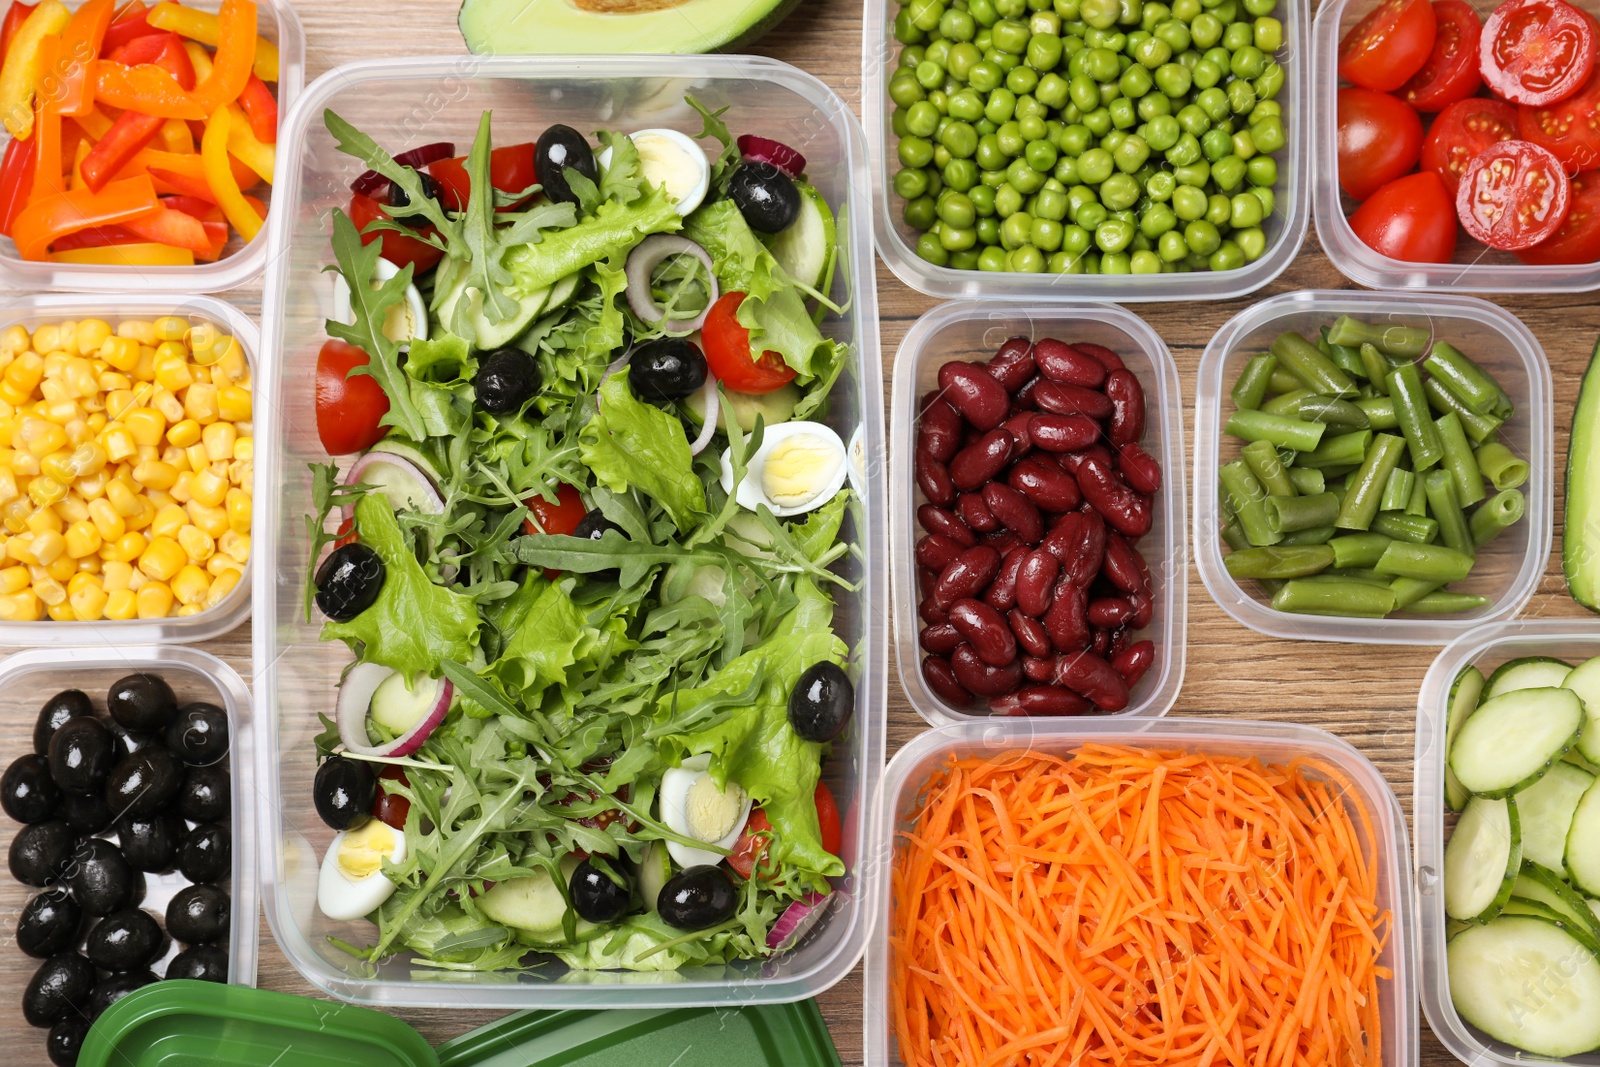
(982, 197)
(1109, 91)
(1157, 220)
(992, 258)
(985, 128)
(925, 14)
(910, 183)
(1214, 102)
(1119, 192)
(1226, 125)
(1262, 170)
(1171, 247)
(1268, 35)
(1245, 211)
(1101, 14)
(988, 231)
(1007, 200)
(1268, 199)
(1205, 30)
(1010, 140)
(1162, 132)
(1079, 195)
(1154, 15)
(1116, 263)
(1227, 11)
(1124, 116)
(1131, 154)
(1113, 235)
(1025, 178)
(1270, 83)
(1111, 140)
(1154, 105)
(1202, 237)
(930, 248)
(1248, 62)
(1220, 56)
(1098, 121)
(1218, 210)
(1228, 172)
(1228, 256)
(1044, 20)
(1236, 35)
(1186, 151)
(1075, 140)
(966, 105)
(1002, 103)
(929, 75)
(1050, 204)
(1175, 34)
(1135, 82)
(1040, 155)
(1130, 12)
(1052, 91)
(1033, 128)
(1151, 53)
(1269, 134)
(915, 151)
(1095, 166)
(1075, 240)
(983, 11)
(920, 213)
(1011, 36)
(985, 76)
(897, 122)
(964, 260)
(904, 90)
(1045, 234)
(1193, 120)
(994, 179)
(1015, 229)
(960, 175)
(1252, 242)
(1260, 7)
(1090, 216)
(1161, 186)
(963, 57)
(911, 55)
(958, 25)
(956, 238)
(1022, 80)
(1026, 260)
(1206, 74)
(1215, 144)
(984, 40)
(1044, 51)
(904, 31)
(1188, 203)
(922, 118)
(1173, 79)
(1101, 65)
(1195, 175)
(989, 155)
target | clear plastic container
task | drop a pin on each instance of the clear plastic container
(1508, 568)
(897, 242)
(277, 22)
(411, 102)
(27, 680)
(1573, 640)
(1271, 742)
(1475, 268)
(973, 329)
(37, 310)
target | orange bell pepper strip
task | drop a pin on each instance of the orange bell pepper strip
(16, 181)
(204, 27)
(168, 227)
(145, 254)
(47, 218)
(48, 159)
(153, 91)
(25, 62)
(80, 46)
(219, 175)
(78, 154)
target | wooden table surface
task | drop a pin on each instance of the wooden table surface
(1365, 694)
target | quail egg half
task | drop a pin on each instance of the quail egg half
(799, 467)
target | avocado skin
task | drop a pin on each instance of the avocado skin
(736, 34)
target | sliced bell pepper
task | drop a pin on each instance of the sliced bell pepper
(96, 237)
(145, 254)
(24, 63)
(262, 107)
(129, 22)
(191, 166)
(200, 207)
(174, 182)
(177, 137)
(199, 58)
(16, 15)
(16, 181)
(95, 125)
(48, 218)
(47, 123)
(80, 46)
(78, 155)
(244, 147)
(204, 27)
(144, 88)
(219, 175)
(164, 50)
(130, 133)
(168, 227)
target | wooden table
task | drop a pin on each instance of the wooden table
(1365, 694)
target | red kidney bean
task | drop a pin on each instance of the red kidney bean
(1088, 674)
(940, 640)
(1060, 362)
(1071, 461)
(1139, 468)
(1002, 592)
(1031, 635)
(1046, 484)
(986, 680)
(937, 520)
(986, 630)
(1135, 661)
(1002, 541)
(936, 551)
(1108, 359)
(1038, 669)
(933, 478)
(1099, 641)
(1064, 433)
(1023, 398)
(1110, 612)
(1124, 567)
(939, 431)
(1079, 542)
(941, 678)
(1020, 426)
(1051, 700)
(1035, 580)
(968, 576)
(1013, 364)
(1121, 507)
(971, 509)
(1125, 397)
(931, 615)
(1066, 399)
(974, 392)
(1015, 511)
(1144, 609)
(1119, 644)
(1067, 621)
(982, 460)
(1008, 706)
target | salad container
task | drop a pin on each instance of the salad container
(1285, 227)
(277, 22)
(404, 103)
(973, 329)
(38, 309)
(1271, 742)
(1507, 569)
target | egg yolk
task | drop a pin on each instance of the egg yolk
(712, 812)
(663, 162)
(363, 850)
(798, 468)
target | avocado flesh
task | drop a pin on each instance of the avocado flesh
(542, 27)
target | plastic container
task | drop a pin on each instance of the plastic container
(973, 330)
(897, 242)
(1475, 268)
(1573, 640)
(28, 679)
(1508, 569)
(36, 310)
(1271, 742)
(410, 102)
(277, 22)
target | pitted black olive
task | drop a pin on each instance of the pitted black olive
(27, 792)
(205, 795)
(66, 1041)
(87, 813)
(144, 782)
(198, 914)
(81, 755)
(142, 702)
(507, 378)
(348, 581)
(343, 792)
(822, 702)
(124, 941)
(203, 963)
(40, 852)
(67, 704)
(697, 898)
(199, 734)
(60, 987)
(49, 923)
(100, 877)
(601, 892)
(765, 196)
(150, 842)
(206, 854)
(117, 986)
(561, 147)
(667, 368)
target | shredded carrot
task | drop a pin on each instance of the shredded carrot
(1137, 907)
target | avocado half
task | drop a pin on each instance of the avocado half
(543, 27)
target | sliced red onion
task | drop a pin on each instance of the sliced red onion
(796, 921)
(713, 409)
(766, 150)
(644, 258)
(616, 365)
(372, 183)
(425, 498)
(355, 702)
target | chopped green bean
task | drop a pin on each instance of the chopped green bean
(1495, 515)
(1285, 514)
(1285, 432)
(1377, 366)
(1446, 509)
(1252, 383)
(1418, 504)
(1444, 602)
(1397, 493)
(1350, 598)
(1459, 460)
(1416, 422)
(1344, 357)
(1410, 590)
(1287, 404)
(1429, 562)
(1358, 549)
(1283, 381)
(1307, 480)
(1467, 381)
(1379, 411)
(1361, 501)
(1415, 529)
(1395, 340)
(1233, 536)
(1333, 411)
(1312, 367)
(1315, 535)
(1478, 427)
(1265, 463)
(1279, 562)
(1248, 501)
(1345, 450)
(1501, 465)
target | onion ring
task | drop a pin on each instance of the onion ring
(644, 258)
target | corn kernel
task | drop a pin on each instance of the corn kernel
(198, 545)
(91, 334)
(200, 402)
(209, 489)
(219, 563)
(241, 472)
(89, 565)
(122, 497)
(155, 600)
(184, 433)
(88, 459)
(8, 484)
(221, 586)
(190, 585)
(146, 425)
(24, 606)
(89, 604)
(82, 539)
(115, 575)
(48, 546)
(81, 581)
(218, 439)
(127, 548)
(49, 590)
(196, 455)
(201, 336)
(155, 475)
(234, 404)
(54, 391)
(213, 521)
(79, 432)
(121, 353)
(15, 579)
(56, 466)
(121, 604)
(80, 378)
(172, 372)
(245, 449)
(72, 508)
(61, 612)
(45, 520)
(146, 514)
(183, 488)
(140, 330)
(45, 491)
(47, 338)
(168, 521)
(170, 406)
(155, 500)
(121, 401)
(240, 509)
(162, 558)
(170, 328)
(39, 437)
(63, 567)
(112, 382)
(235, 545)
(119, 443)
(138, 580)
(145, 369)
(14, 339)
(14, 513)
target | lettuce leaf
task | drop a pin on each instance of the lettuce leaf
(614, 228)
(544, 643)
(631, 444)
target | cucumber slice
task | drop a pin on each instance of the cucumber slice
(425, 463)
(1522, 906)
(1545, 809)
(1482, 860)
(1583, 844)
(534, 906)
(1529, 672)
(1585, 681)
(1464, 693)
(1513, 739)
(654, 871)
(802, 249)
(1527, 982)
(1544, 886)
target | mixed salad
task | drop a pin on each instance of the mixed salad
(588, 553)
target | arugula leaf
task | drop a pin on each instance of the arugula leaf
(631, 444)
(613, 228)
(353, 142)
(527, 227)
(478, 232)
(369, 307)
(713, 126)
(621, 179)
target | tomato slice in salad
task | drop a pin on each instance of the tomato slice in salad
(1536, 52)
(348, 408)
(562, 517)
(1513, 195)
(1380, 136)
(397, 247)
(1411, 219)
(392, 808)
(832, 831)
(1451, 71)
(727, 348)
(1578, 239)
(1384, 50)
(1569, 129)
(1461, 131)
(750, 850)
(510, 171)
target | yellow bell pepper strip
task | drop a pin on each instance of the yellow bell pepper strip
(199, 59)
(80, 46)
(204, 27)
(177, 137)
(95, 124)
(47, 122)
(77, 164)
(151, 90)
(244, 147)
(24, 63)
(48, 218)
(138, 254)
(219, 175)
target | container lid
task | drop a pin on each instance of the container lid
(183, 1023)
(784, 1035)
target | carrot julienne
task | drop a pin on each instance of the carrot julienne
(1137, 907)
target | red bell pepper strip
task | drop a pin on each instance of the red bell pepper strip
(199, 207)
(80, 46)
(130, 22)
(168, 227)
(16, 15)
(261, 108)
(16, 181)
(131, 132)
(153, 91)
(164, 50)
(48, 218)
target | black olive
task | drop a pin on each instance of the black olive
(150, 842)
(144, 782)
(60, 987)
(348, 581)
(87, 813)
(343, 792)
(821, 703)
(668, 368)
(697, 898)
(66, 1041)
(142, 702)
(117, 986)
(206, 854)
(601, 892)
(399, 200)
(27, 792)
(67, 704)
(507, 378)
(100, 877)
(49, 923)
(202, 963)
(560, 147)
(124, 941)
(41, 851)
(80, 756)
(593, 526)
(205, 795)
(198, 914)
(126, 743)
(765, 196)
(199, 734)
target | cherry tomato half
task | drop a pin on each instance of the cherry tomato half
(397, 247)
(392, 808)
(346, 533)
(348, 409)
(1536, 52)
(1451, 72)
(1386, 48)
(562, 517)
(1513, 195)
(510, 171)
(1461, 131)
(1380, 137)
(832, 831)
(727, 348)
(1578, 239)
(1410, 219)
(1570, 129)
(752, 844)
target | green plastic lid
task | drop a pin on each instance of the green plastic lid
(183, 1023)
(783, 1035)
